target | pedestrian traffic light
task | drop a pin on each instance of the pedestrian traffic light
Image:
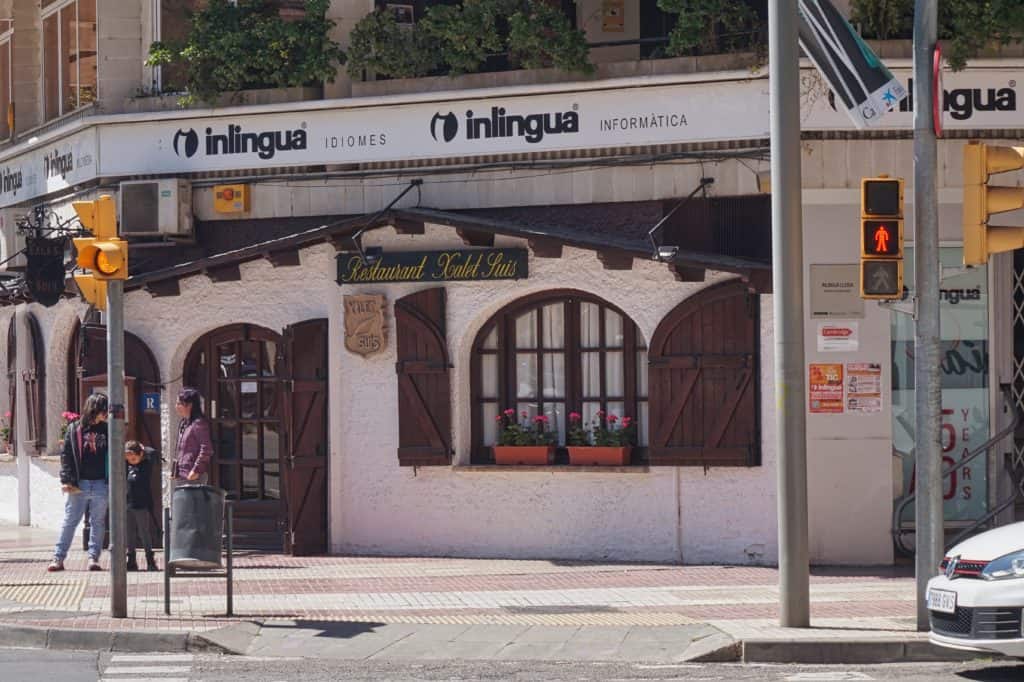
(980, 201)
(104, 255)
(881, 238)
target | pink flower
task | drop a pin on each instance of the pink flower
(498, 417)
(575, 416)
(510, 412)
(600, 413)
(612, 419)
(626, 421)
(7, 414)
(524, 414)
(541, 419)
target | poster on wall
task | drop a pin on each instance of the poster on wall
(825, 388)
(864, 387)
(838, 337)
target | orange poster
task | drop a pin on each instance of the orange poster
(825, 388)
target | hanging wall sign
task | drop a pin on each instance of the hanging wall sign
(44, 272)
(456, 265)
(364, 324)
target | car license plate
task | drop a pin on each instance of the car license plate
(942, 601)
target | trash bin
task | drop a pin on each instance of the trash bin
(197, 517)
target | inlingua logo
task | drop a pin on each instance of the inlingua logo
(190, 140)
(265, 144)
(56, 164)
(532, 127)
(449, 126)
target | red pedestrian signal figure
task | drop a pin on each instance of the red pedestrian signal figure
(881, 240)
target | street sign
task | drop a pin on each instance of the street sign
(856, 75)
(44, 272)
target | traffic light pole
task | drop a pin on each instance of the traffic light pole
(118, 475)
(929, 526)
(788, 300)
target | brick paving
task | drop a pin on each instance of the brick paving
(741, 600)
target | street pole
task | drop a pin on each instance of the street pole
(118, 476)
(788, 300)
(929, 526)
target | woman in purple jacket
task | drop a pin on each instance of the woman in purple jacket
(192, 462)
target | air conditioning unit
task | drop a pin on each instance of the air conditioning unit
(151, 208)
(10, 241)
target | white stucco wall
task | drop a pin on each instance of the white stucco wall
(45, 495)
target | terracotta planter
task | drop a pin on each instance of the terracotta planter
(599, 456)
(524, 454)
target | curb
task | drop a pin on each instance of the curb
(32, 637)
(864, 651)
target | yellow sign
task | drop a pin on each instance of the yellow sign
(364, 324)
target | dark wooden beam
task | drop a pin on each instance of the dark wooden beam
(406, 226)
(164, 287)
(687, 274)
(341, 242)
(615, 260)
(224, 273)
(475, 237)
(283, 259)
(759, 281)
(545, 247)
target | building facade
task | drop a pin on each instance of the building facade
(362, 280)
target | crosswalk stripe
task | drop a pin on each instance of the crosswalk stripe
(146, 669)
(143, 679)
(151, 658)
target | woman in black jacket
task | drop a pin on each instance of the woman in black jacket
(83, 478)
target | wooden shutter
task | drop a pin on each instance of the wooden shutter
(34, 377)
(305, 410)
(12, 386)
(424, 394)
(703, 381)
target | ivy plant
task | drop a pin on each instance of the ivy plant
(966, 26)
(459, 38)
(712, 26)
(245, 45)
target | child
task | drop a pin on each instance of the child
(140, 504)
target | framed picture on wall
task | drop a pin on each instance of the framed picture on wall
(98, 384)
(404, 14)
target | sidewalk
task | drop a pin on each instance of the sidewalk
(458, 608)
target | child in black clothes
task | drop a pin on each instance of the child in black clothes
(140, 504)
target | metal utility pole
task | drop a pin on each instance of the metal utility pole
(788, 298)
(117, 468)
(928, 515)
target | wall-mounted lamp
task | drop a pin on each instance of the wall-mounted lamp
(667, 252)
(764, 181)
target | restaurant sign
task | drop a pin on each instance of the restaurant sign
(455, 265)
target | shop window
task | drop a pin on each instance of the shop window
(553, 354)
(69, 56)
(6, 78)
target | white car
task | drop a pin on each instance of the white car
(976, 603)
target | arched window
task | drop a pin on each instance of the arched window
(555, 353)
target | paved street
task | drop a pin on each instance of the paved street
(23, 665)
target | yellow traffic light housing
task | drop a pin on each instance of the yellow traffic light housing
(104, 254)
(980, 201)
(93, 290)
(881, 238)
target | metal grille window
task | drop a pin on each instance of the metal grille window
(69, 56)
(554, 354)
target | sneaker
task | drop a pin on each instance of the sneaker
(55, 565)
(94, 565)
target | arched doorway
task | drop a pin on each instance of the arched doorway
(266, 400)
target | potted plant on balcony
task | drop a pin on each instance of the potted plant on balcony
(524, 441)
(608, 441)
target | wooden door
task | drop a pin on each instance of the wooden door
(703, 381)
(236, 368)
(424, 397)
(305, 413)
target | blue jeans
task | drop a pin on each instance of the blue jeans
(94, 498)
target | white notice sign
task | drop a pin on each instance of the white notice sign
(837, 337)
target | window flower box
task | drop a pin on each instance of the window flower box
(535, 455)
(596, 455)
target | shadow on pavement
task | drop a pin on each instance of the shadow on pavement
(999, 673)
(329, 629)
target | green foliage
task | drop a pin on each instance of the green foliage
(965, 26)
(605, 430)
(460, 38)
(248, 45)
(712, 26)
(380, 44)
(526, 431)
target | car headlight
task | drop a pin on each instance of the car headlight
(1009, 566)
